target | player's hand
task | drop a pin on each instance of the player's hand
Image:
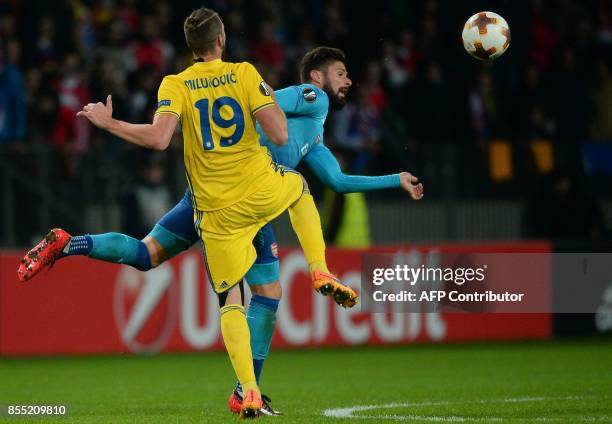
(99, 114)
(411, 184)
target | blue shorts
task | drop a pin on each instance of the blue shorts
(175, 232)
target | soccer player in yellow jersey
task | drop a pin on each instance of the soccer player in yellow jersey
(236, 187)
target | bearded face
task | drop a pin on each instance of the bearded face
(336, 84)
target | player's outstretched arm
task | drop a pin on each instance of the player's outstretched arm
(326, 167)
(153, 136)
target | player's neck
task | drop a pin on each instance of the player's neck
(316, 84)
(207, 57)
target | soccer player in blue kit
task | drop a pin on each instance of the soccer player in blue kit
(325, 83)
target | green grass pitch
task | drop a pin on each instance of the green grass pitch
(561, 382)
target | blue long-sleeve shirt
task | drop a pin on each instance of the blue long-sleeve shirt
(306, 107)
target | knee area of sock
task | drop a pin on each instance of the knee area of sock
(143, 258)
(267, 303)
(273, 291)
(260, 355)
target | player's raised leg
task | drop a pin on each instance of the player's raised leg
(173, 234)
(306, 223)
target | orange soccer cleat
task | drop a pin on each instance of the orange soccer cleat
(251, 405)
(235, 404)
(43, 254)
(327, 284)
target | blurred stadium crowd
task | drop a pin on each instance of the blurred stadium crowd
(535, 125)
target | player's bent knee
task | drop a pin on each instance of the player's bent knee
(142, 261)
(155, 251)
(271, 290)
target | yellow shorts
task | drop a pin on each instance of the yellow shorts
(227, 234)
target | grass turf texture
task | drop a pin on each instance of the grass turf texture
(475, 383)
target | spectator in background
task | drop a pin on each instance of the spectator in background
(430, 41)
(305, 41)
(46, 54)
(543, 37)
(484, 107)
(12, 102)
(129, 16)
(408, 53)
(236, 46)
(429, 107)
(163, 13)
(85, 33)
(604, 34)
(8, 33)
(601, 93)
(377, 96)
(396, 74)
(143, 100)
(268, 50)
(538, 125)
(150, 199)
(532, 96)
(151, 50)
(73, 92)
(336, 30)
(571, 106)
(70, 135)
(42, 108)
(356, 128)
(562, 209)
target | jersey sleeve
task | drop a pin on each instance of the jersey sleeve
(302, 100)
(169, 98)
(326, 167)
(256, 90)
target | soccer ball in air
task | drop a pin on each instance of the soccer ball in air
(486, 36)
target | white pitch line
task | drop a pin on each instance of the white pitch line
(348, 412)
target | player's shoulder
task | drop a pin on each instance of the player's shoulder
(313, 95)
(241, 68)
(175, 79)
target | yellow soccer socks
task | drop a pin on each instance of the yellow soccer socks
(306, 223)
(237, 339)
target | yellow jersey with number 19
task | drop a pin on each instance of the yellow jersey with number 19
(216, 102)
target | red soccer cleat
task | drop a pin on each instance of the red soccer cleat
(44, 254)
(235, 402)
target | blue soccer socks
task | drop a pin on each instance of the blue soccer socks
(261, 318)
(111, 247)
(78, 245)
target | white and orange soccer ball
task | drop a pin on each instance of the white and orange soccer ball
(486, 36)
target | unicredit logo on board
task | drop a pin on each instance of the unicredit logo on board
(173, 306)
